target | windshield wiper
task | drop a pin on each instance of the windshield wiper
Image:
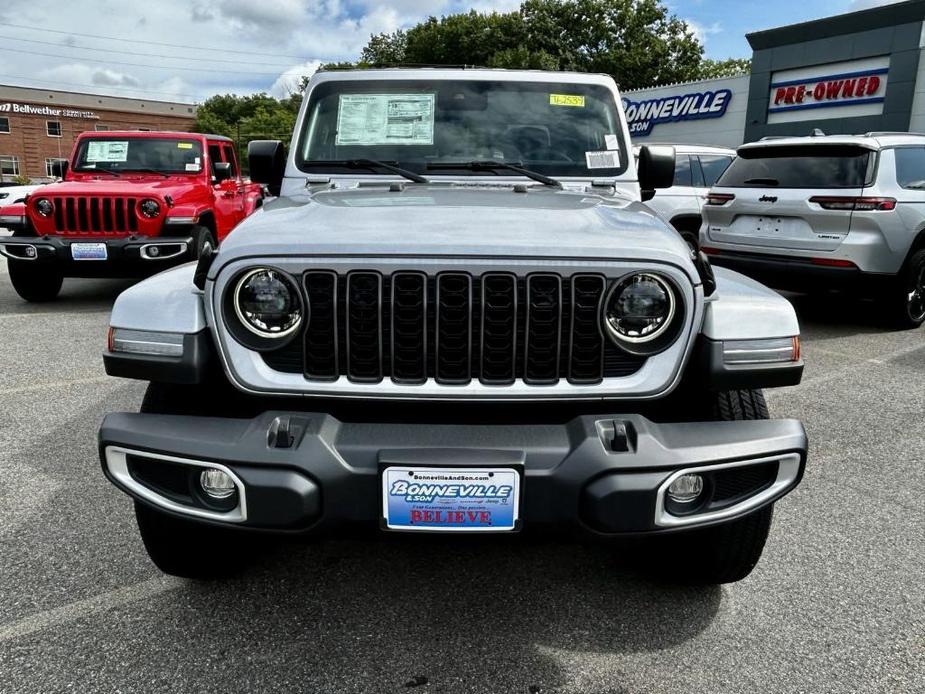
(491, 165)
(84, 169)
(144, 170)
(762, 181)
(370, 164)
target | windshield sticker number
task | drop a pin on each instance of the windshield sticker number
(566, 100)
(603, 160)
(385, 119)
(107, 150)
(184, 145)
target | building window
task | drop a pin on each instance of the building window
(4, 124)
(100, 128)
(53, 128)
(49, 163)
(9, 165)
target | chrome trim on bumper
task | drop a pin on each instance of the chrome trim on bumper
(787, 474)
(117, 465)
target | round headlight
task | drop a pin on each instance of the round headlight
(267, 303)
(639, 309)
(150, 208)
(44, 207)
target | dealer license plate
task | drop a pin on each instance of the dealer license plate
(455, 499)
(88, 251)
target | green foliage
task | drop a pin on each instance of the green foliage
(730, 67)
(638, 42)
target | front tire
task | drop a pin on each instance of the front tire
(180, 547)
(722, 553)
(202, 237)
(188, 549)
(35, 284)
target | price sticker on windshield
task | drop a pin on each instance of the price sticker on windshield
(566, 100)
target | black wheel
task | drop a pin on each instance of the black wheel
(202, 237)
(723, 553)
(689, 233)
(908, 298)
(189, 549)
(33, 282)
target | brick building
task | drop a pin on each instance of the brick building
(38, 126)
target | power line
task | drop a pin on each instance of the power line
(185, 58)
(46, 30)
(146, 65)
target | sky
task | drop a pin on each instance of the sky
(188, 50)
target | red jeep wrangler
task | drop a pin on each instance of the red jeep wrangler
(130, 204)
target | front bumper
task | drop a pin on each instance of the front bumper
(126, 256)
(605, 474)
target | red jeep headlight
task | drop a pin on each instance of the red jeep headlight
(44, 207)
(149, 208)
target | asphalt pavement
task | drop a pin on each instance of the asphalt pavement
(836, 604)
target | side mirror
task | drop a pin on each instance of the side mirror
(267, 162)
(222, 171)
(655, 168)
(59, 168)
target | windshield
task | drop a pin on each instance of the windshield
(811, 166)
(165, 155)
(558, 129)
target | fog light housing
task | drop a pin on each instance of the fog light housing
(217, 484)
(686, 489)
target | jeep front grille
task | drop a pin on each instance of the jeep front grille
(98, 215)
(453, 327)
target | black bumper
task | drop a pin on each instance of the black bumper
(603, 474)
(129, 256)
(796, 274)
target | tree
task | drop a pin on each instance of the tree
(730, 67)
(638, 42)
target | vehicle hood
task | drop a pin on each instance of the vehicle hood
(154, 186)
(465, 220)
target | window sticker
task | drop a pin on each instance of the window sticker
(184, 145)
(603, 160)
(107, 150)
(611, 141)
(192, 167)
(385, 119)
(566, 100)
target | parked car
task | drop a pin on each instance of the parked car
(697, 168)
(457, 317)
(130, 204)
(826, 212)
(17, 193)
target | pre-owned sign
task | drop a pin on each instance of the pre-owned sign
(30, 110)
(853, 88)
(642, 116)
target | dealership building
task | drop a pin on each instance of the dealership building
(39, 126)
(851, 73)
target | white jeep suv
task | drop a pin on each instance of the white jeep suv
(826, 212)
(696, 169)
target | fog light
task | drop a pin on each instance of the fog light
(153, 251)
(216, 484)
(30, 251)
(685, 489)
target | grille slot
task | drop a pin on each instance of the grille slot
(409, 327)
(543, 328)
(364, 327)
(321, 353)
(454, 328)
(499, 329)
(97, 215)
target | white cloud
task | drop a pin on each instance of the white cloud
(288, 82)
(703, 32)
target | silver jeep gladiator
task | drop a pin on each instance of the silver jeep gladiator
(457, 316)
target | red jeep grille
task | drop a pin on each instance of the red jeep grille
(98, 215)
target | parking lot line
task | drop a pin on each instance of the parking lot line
(89, 606)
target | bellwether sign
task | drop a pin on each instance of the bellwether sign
(642, 116)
